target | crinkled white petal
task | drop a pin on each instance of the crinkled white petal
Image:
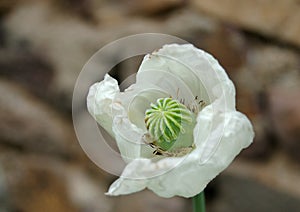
(195, 68)
(100, 102)
(128, 138)
(228, 133)
(169, 82)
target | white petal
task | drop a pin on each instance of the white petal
(189, 175)
(196, 68)
(214, 129)
(125, 185)
(100, 102)
(128, 138)
(167, 81)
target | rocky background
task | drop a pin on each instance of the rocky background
(43, 47)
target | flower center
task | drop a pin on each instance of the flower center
(170, 122)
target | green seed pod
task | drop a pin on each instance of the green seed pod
(167, 121)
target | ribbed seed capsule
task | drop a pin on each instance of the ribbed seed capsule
(166, 121)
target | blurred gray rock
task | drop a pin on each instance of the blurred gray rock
(274, 18)
(4, 199)
(29, 125)
(6, 6)
(41, 183)
(147, 201)
(276, 74)
(153, 7)
(260, 91)
(32, 186)
(284, 98)
(67, 43)
(87, 192)
(269, 63)
(28, 69)
(242, 194)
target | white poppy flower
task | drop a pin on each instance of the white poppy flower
(176, 127)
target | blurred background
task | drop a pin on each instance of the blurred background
(43, 47)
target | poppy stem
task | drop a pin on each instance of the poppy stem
(199, 202)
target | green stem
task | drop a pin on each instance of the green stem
(199, 202)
